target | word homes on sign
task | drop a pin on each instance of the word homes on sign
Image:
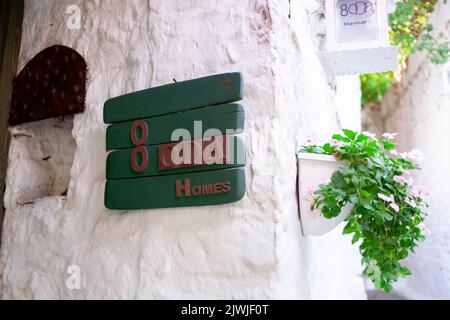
(176, 145)
(182, 190)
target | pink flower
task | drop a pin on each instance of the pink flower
(336, 143)
(414, 155)
(412, 203)
(404, 155)
(424, 228)
(395, 207)
(391, 201)
(311, 141)
(405, 172)
(389, 136)
(399, 179)
(309, 193)
(419, 192)
(393, 153)
(385, 198)
(403, 180)
(391, 198)
(370, 135)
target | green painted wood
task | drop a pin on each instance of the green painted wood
(205, 188)
(118, 163)
(223, 117)
(175, 97)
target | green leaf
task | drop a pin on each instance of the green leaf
(338, 137)
(387, 216)
(365, 194)
(328, 148)
(361, 138)
(355, 180)
(350, 134)
(405, 271)
(354, 199)
(388, 288)
(388, 145)
(349, 228)
(366, 205)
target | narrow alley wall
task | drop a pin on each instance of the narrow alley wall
(246, 250)
(419, 110)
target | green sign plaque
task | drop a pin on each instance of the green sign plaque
(176, 145)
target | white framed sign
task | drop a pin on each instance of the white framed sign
(356, 24)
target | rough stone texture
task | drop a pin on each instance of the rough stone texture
(41, 156)
(250, 249)
(419, 111)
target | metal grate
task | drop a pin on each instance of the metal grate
(52, 84)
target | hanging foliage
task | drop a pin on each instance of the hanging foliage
(410, 30)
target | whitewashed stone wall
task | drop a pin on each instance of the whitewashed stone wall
(247, 250)
(419, 111)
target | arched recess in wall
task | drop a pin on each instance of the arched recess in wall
(49, 90)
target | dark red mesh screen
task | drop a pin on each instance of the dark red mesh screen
(52, 84)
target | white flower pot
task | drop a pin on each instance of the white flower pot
(313, 169)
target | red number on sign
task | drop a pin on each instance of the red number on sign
(139, 167)
(134, 132)
(139, 149)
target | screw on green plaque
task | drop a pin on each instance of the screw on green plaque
(228, 152)
(179, 190)
(160, 129)
(175, 97)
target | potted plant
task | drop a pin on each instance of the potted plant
(313, 170)
(372, 182)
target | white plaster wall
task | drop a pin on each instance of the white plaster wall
(327, 262)
(247, 250)
(419, 111)
(49, 149)
(348, 100)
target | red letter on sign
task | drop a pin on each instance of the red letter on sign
(226, 186)
(186, 187)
